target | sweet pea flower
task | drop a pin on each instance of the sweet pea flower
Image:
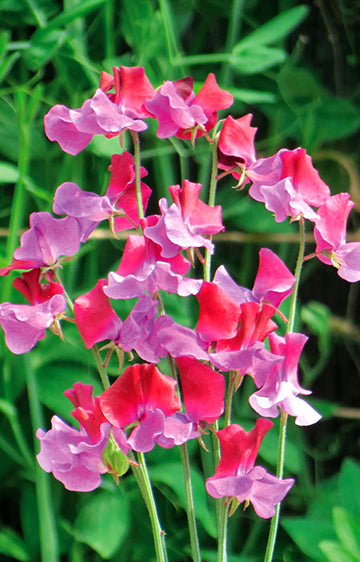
(143, 268)
(236, 149)
(97, 321)
(182, 113)
(143, 396)
(203, 390)
(119, 204)
(87, 409)
(72, 456)
(237, 477)
(25, 324)
(45, 242)
(273, 282)
(288, 184)
(186, 222)
(281, 387)
(330, 236)
(105, 113)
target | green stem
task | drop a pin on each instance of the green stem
(48, 531)
(100, 367)
(211, 202)
(18, 207)
(274, 525)
(298, 267)
(136, 142)
(233, 36)
(222, 539)
(195, 547)
(158, 533)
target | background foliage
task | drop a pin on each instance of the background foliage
(295, 66)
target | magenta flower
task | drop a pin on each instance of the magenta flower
(104, 113)
(330, 236)
(273, 282)
(236, 149)
(143, 268)
(87, 409)
(245, 352)
(145, 396)
(118, 204)
(25, 324)
(236, 475)
(182, 113)
(288, 184)
(45, 242)
(219, 313)
(185, 222)
(281, 387)
(73, 456)
(97, 321)
(202, 389)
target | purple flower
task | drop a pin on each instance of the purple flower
(103, 114)
(236, 475)
(47, 239)
(330, 236)
(72, 456)
(24, 324)
(281, 387)
(119, 204)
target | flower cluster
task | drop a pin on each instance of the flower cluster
(236, 331)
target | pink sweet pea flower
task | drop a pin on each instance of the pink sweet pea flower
(182, 113)
(281, 387)
(97, 321)
(25, 324)
(288, 184)
(119, 204)
(203, 390)
(45, 242)
(236, 149)
(103, 114)
(245, 352)
(219, 314)
(87, 409)
(185, 222)
(74, 458)
(143, 268)
(330, 236)
(273, 282)
(141, 395)
(236, 475)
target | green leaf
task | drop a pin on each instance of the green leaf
(334, 552)
(257, 59)
(252, 96)
(103, 522)
(78, 10)
(307, 532)
(43, 47)
(12, 545)
(274, 30)
(349, 479)
(7, 64)
(348, 530)
(316, 315)
(8, 173)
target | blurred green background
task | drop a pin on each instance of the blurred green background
(296, 67)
